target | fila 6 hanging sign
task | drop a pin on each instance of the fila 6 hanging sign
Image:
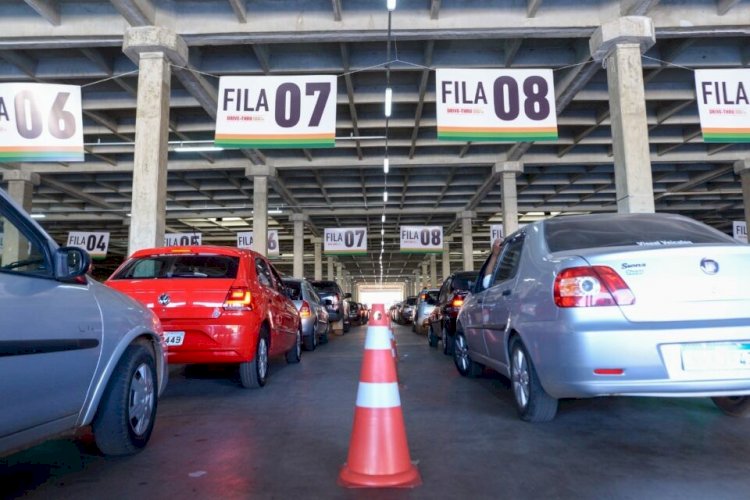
(40, 122)
(276, 112)
(723, 97)
(495, 105)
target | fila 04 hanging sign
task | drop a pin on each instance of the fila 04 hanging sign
(40, 122)
(276, 112)
(495, 105)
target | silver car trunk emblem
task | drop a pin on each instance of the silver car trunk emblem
(709, 266)
(164, 299)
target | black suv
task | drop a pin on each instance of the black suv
(442, 321)
(331, 295)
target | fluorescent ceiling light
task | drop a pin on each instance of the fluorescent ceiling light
(385, 195)
(382, 218)
(275, 211)
(197, 149)
(388, 101)
(38, 216)
(386, 165)
(391, 5)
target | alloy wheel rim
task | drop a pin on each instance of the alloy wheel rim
(520, 378)
(462, 352)
(141, 400)
(262, 358)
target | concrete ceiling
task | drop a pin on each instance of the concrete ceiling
(80, 42)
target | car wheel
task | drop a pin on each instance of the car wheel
(294, 354)
(532, 402)
(432, 339)
(465, 365)
(253, 374)
(310, 342)
(324, 337)
(127, 411)
(347, 327)
(448, 343)
(734, 406)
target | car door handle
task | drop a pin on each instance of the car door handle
(506, 292)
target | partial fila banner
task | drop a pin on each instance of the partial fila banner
(345, 241)
(723, 97)
(421, 239)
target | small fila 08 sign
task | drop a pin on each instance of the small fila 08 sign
(345, 241)
(421, 239)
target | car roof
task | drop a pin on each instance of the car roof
(193, 250)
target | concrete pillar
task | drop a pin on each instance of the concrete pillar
(742, 168)
(433, 271)
(425, 275)
(21, 184)
(298, 267)
(152, 49)
(329, 274)
(417, 283)
(340, 274)
(467, 242)
(446, 259)
(318, 257)
(260, 174)
(620, 44)
(509, 170)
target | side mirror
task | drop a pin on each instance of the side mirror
(71, 263)
(327, 302)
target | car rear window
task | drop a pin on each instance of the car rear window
(179, 266)
(325, 287)
(294, 288)
(411, 301)
(464, 281)
(564, 234)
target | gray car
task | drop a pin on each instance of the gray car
(312, 312)
(73, 352)
(631, 305)
(426, 301)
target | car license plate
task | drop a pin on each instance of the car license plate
(716, 356)
(174, 338)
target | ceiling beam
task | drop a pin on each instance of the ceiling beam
(532, 6)
(77, 193)
(696, 181)
(428, 51)
(240, 10)
(336, 5)
(48, 9)
(636, 7)
(136, 12)
(345, 62)
(511, 49)
(724, 6)
(434, 9)
(262, 54)
(21, 61)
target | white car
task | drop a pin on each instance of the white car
(73, 352)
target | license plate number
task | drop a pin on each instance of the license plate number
(716, 356)
(174, 338)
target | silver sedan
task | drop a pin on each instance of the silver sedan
(613, 304)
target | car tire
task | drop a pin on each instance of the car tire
(532, 402)
(324, 337)
(464, 364)
(254, 373)
(294, 355)
(127, 411)
(346, 327)
(432, 339)
(734, 406)
(448, 342)
(311, 340)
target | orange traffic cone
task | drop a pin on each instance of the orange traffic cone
(378, 451)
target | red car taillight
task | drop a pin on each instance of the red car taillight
(304, 310)
(457, 302)
(591, 286)
(239, 298)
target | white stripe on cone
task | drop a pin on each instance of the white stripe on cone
(378, 395)
(378, 337)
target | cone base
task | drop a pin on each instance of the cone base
(407, 479)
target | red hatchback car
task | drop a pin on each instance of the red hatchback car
(216, 304)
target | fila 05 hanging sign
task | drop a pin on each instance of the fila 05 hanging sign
(276, 112)
(40, 122)
(495, 105)
(723, 97)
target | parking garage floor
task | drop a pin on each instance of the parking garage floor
(288, 440)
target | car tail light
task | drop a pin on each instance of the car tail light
(457, 302)
(304, 310)
(591, 286)
(239, 298)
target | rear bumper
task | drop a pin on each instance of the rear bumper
(229, 339)
(651, 360)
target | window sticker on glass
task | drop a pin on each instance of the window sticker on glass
(660, 243)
